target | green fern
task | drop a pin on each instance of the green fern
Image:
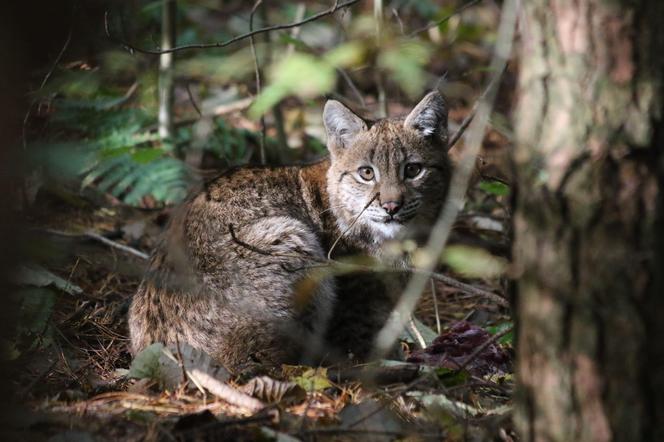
(119, 152)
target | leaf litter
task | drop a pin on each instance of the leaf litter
(85, 369)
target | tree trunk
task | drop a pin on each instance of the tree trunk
(588, 226)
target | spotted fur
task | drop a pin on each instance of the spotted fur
(237, 273)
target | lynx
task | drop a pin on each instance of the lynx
(240, 271)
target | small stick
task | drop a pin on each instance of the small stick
(329, 253)
(468, 288)
(469, 118)
(481, 348)
(257, 73)
(41, 86)
(435, 305)
(226, 392)
(443, 20)
(416, 332)
(102, 239)
(193, 102)
(321, 14)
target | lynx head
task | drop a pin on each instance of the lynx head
(401, 163)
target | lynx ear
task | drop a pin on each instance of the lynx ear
(429, 117)
(341, 124)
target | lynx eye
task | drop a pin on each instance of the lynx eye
(366, 173)
(412, 170)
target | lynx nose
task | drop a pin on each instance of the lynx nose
(391, 207)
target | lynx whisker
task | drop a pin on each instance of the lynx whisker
(350, 226)
(339, 206)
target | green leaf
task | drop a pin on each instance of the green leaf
(450, 377)
(302, 75)
(158, 363)
(473, 262)
(425, 331)
(348, 54)
(144, 156)
(407, 63)
(33, 327)
(313, 379)
(146, 364)
(495, 329)
(495, 188)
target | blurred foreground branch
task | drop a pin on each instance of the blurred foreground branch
(425, 259)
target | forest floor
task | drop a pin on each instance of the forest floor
(75, 379)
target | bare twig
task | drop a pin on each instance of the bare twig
(426, 258)
(444, 19)
(248, 246)
(413, 329)
(348, 267)
(467, 288)
(471, 357)
(102, 239)
(337, 6)
(43, 83)
(469, 118)
(257, 72)
(395, 13)
(193, 102)
(352, 86)
(350, 226)
(226, 392)
(181, 360)
(115, 245)
(222, 109)
(395, 434)
(435, 305)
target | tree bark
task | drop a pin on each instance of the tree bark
(589, 161)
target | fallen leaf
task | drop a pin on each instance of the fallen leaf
(457, 343)
(35, 275)
(160, 364)
(313, 379)
(272, 390)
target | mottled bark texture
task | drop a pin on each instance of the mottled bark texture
(588, 223)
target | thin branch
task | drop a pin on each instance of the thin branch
(427, 258)
(352, 86)
(467, 288)
(482, 347)
(257, 72)
(395, 13)
(43, 83)
(193, 102)
(337, 6)
(435, 305)
(57, 60)
(395, 434)
(469, 118)
(116, 245)
(347, 267)
(248, 246)
(226, 392)
(102, 239)
(415, 332)
(350, 226)
(444, 19)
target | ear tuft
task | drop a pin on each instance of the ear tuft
(429, 117)
(341, 124)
